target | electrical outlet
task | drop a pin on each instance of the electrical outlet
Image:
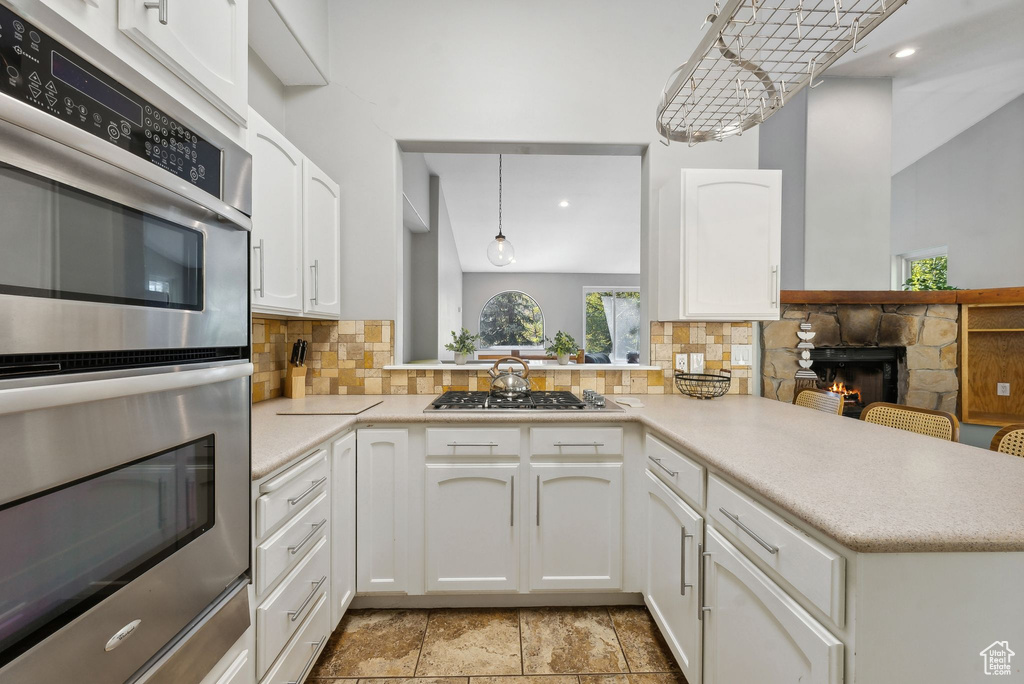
(696, 363)
(1003, 389)
(681, 364)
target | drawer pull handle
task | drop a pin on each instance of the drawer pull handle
(296, 499)
(657, 462)
(316, 528)
(293, 615)
(683, 586)
(596, 445)
(754, 535)
(309, 663)
(472, 444)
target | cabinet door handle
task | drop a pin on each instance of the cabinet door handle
(260, 288)
(538, 501)
(293, 615)
(701, 581)
(579, 444)
(316, 528)
(315, 268)
(775, 286)
(683, 586)
(770, 548)
(296, 499)
(658, 462)
(161, 6)
(309, 663)
(472, 444)
(512, 504)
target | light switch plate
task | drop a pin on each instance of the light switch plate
(681, 363)
(696, 363)
(742, 355)
(1003, 389)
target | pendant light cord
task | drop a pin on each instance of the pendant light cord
(499, 194)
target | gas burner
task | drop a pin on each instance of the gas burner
(542, 401)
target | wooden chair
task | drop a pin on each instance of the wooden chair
(820, 400)
(922, 421)
(1009, 440)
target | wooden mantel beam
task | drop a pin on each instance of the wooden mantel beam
(1002, 295)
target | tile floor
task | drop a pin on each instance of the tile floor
(615, 645)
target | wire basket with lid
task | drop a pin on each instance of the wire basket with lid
(704, 385)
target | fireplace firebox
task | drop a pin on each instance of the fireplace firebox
(862, 374)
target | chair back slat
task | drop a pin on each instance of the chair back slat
(820, 400)
(922, 421)
(1009, 440)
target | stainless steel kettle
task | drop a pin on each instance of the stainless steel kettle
(508, 384)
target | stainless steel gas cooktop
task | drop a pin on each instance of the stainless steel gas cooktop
(535, 401)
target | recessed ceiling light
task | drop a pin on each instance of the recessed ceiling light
(563, 203)
(905, 52)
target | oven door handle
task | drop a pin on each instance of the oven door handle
(23, 399)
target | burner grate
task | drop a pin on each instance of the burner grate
(558, 401)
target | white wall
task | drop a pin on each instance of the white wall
(267, 95)
(560, 295)
(848, 185)
(449, 276)
(968, 195)
(574, 71)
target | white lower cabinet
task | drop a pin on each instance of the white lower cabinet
(575, 526)
(298, 658)
(472, 535)
(343, 525)
(755, 632)
(675, 535)
(382, 534)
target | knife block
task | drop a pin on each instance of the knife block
(295, 382)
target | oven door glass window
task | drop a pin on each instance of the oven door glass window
(67, 549)
(63, 243)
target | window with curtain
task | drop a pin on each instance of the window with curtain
(512, 319)
(611, 321)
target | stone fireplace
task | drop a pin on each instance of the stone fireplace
(918, 341)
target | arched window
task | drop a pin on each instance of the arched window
(512, 319)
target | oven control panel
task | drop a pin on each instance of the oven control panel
(37, 70)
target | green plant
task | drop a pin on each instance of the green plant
(928, 274)
(562, 344)
(463, 343)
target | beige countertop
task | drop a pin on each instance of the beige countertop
(870, 488)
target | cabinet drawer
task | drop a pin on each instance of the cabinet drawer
(814, 570)
(576, 441)
(283, 611)
(291, 543)
(676, 470)
(297, 661)
(473, 442)
(287, 493)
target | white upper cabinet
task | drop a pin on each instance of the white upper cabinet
(472, 530)
(675, 534)
(719, 245)
(203, 42)
(754, 632)
(277, 200)
(321, 201)
(576, 526)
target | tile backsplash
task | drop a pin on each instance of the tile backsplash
(348, 357)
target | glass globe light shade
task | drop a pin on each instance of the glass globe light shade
(500, 252)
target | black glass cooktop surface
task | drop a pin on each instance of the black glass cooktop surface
(554, 401)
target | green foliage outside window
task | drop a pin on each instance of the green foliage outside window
(512, 319)
(599, 337)
(928, 274)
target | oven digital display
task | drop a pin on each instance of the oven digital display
(88, 84)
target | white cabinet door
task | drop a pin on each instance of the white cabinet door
(731, 242)
(276, 219)
(382, 459)
(754, 632)
(576, 526)
(203, 42)
(675, 535)
(343, 525)
(321, 222)
(472, 531)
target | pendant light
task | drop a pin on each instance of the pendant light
(500, 252)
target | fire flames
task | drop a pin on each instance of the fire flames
(849, 393)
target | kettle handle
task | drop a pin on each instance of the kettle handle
(526, 367)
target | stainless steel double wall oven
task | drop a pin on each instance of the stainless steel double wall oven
(124, 376)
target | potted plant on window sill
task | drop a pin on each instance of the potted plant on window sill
(563, 346)
(463, 345)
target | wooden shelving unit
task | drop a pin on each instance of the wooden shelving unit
(992, 351)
